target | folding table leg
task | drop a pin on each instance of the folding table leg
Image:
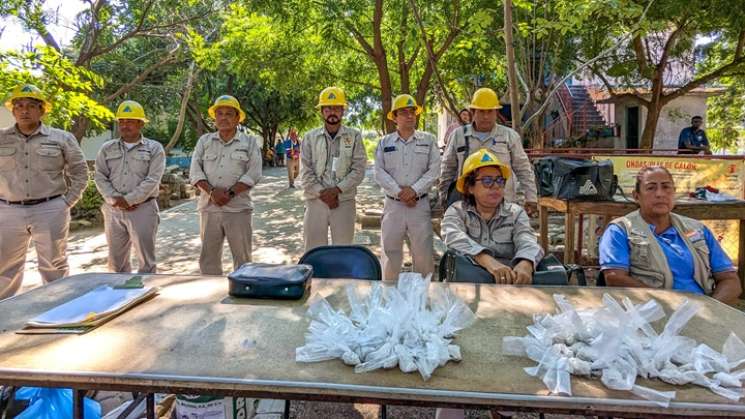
(77, 403)
(150, 406)
(137, 398)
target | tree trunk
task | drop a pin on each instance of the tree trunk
(511, 72)
(650, 125)
(197, 122)
(182, 109)
(80, 126)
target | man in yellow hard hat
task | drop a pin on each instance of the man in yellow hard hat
(42, 175)
(332, 165)
(407, 165)
(484, 132)
(225, 166)
(128, 173)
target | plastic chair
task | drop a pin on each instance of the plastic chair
(343, 261)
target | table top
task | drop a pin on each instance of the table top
(193, 336)
(694, 208)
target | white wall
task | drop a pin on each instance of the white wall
(674, 116)
(91, 145)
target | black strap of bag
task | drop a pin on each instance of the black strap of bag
(453, 195)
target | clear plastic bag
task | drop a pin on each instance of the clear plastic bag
(617, 343)
(388, 327)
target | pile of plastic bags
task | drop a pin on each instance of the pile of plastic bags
(402, 326)
(617, 343)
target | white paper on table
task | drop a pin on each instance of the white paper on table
(90, 306)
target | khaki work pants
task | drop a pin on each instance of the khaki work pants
(47, 224)
(398, 223)
(293, 169)
(214, 228)
(319, 218)
(126, 229)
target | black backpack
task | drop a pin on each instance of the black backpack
(575, 179)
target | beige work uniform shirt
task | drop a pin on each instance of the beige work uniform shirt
(508, 147)
(315, 180)
(414, 162)
(223, 164)
(132, 173)
(48, 162)
(507, 236)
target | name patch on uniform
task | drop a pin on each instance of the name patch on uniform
(389, 149)
(460, 149)
(694, 235)
(423, 145)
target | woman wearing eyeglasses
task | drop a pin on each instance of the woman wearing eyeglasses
(495, 234)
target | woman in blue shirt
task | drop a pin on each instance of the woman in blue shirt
(654, 247)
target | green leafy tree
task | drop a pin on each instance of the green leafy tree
(656, 65)
(68, 87)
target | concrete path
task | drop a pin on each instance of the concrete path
(278, 232)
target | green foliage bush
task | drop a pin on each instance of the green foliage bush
(89, 206)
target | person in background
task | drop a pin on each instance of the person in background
(332, 166)
(292, 152)
(693, 140)
(656, 248)
(504, 142)
(225, 166)
(279, 152)
(407, 164)
(128, 173)
(464, 118)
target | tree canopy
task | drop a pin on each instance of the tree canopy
(176, 57)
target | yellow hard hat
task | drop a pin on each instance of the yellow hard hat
(129, 109)
(230, 102)
(332, 96)
(28, 91)
(477, 160)
(403, 101)
(485, 98)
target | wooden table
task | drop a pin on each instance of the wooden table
(699, 210)
(194, 339)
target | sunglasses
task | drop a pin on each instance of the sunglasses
(491, 181)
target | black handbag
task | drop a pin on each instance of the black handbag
(264, 280)
(575, 179)
(456, 267)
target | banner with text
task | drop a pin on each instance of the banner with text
(689, 173)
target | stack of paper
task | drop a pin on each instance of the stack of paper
(91, 309)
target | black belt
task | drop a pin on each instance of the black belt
(30, 202)
(422, 196)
